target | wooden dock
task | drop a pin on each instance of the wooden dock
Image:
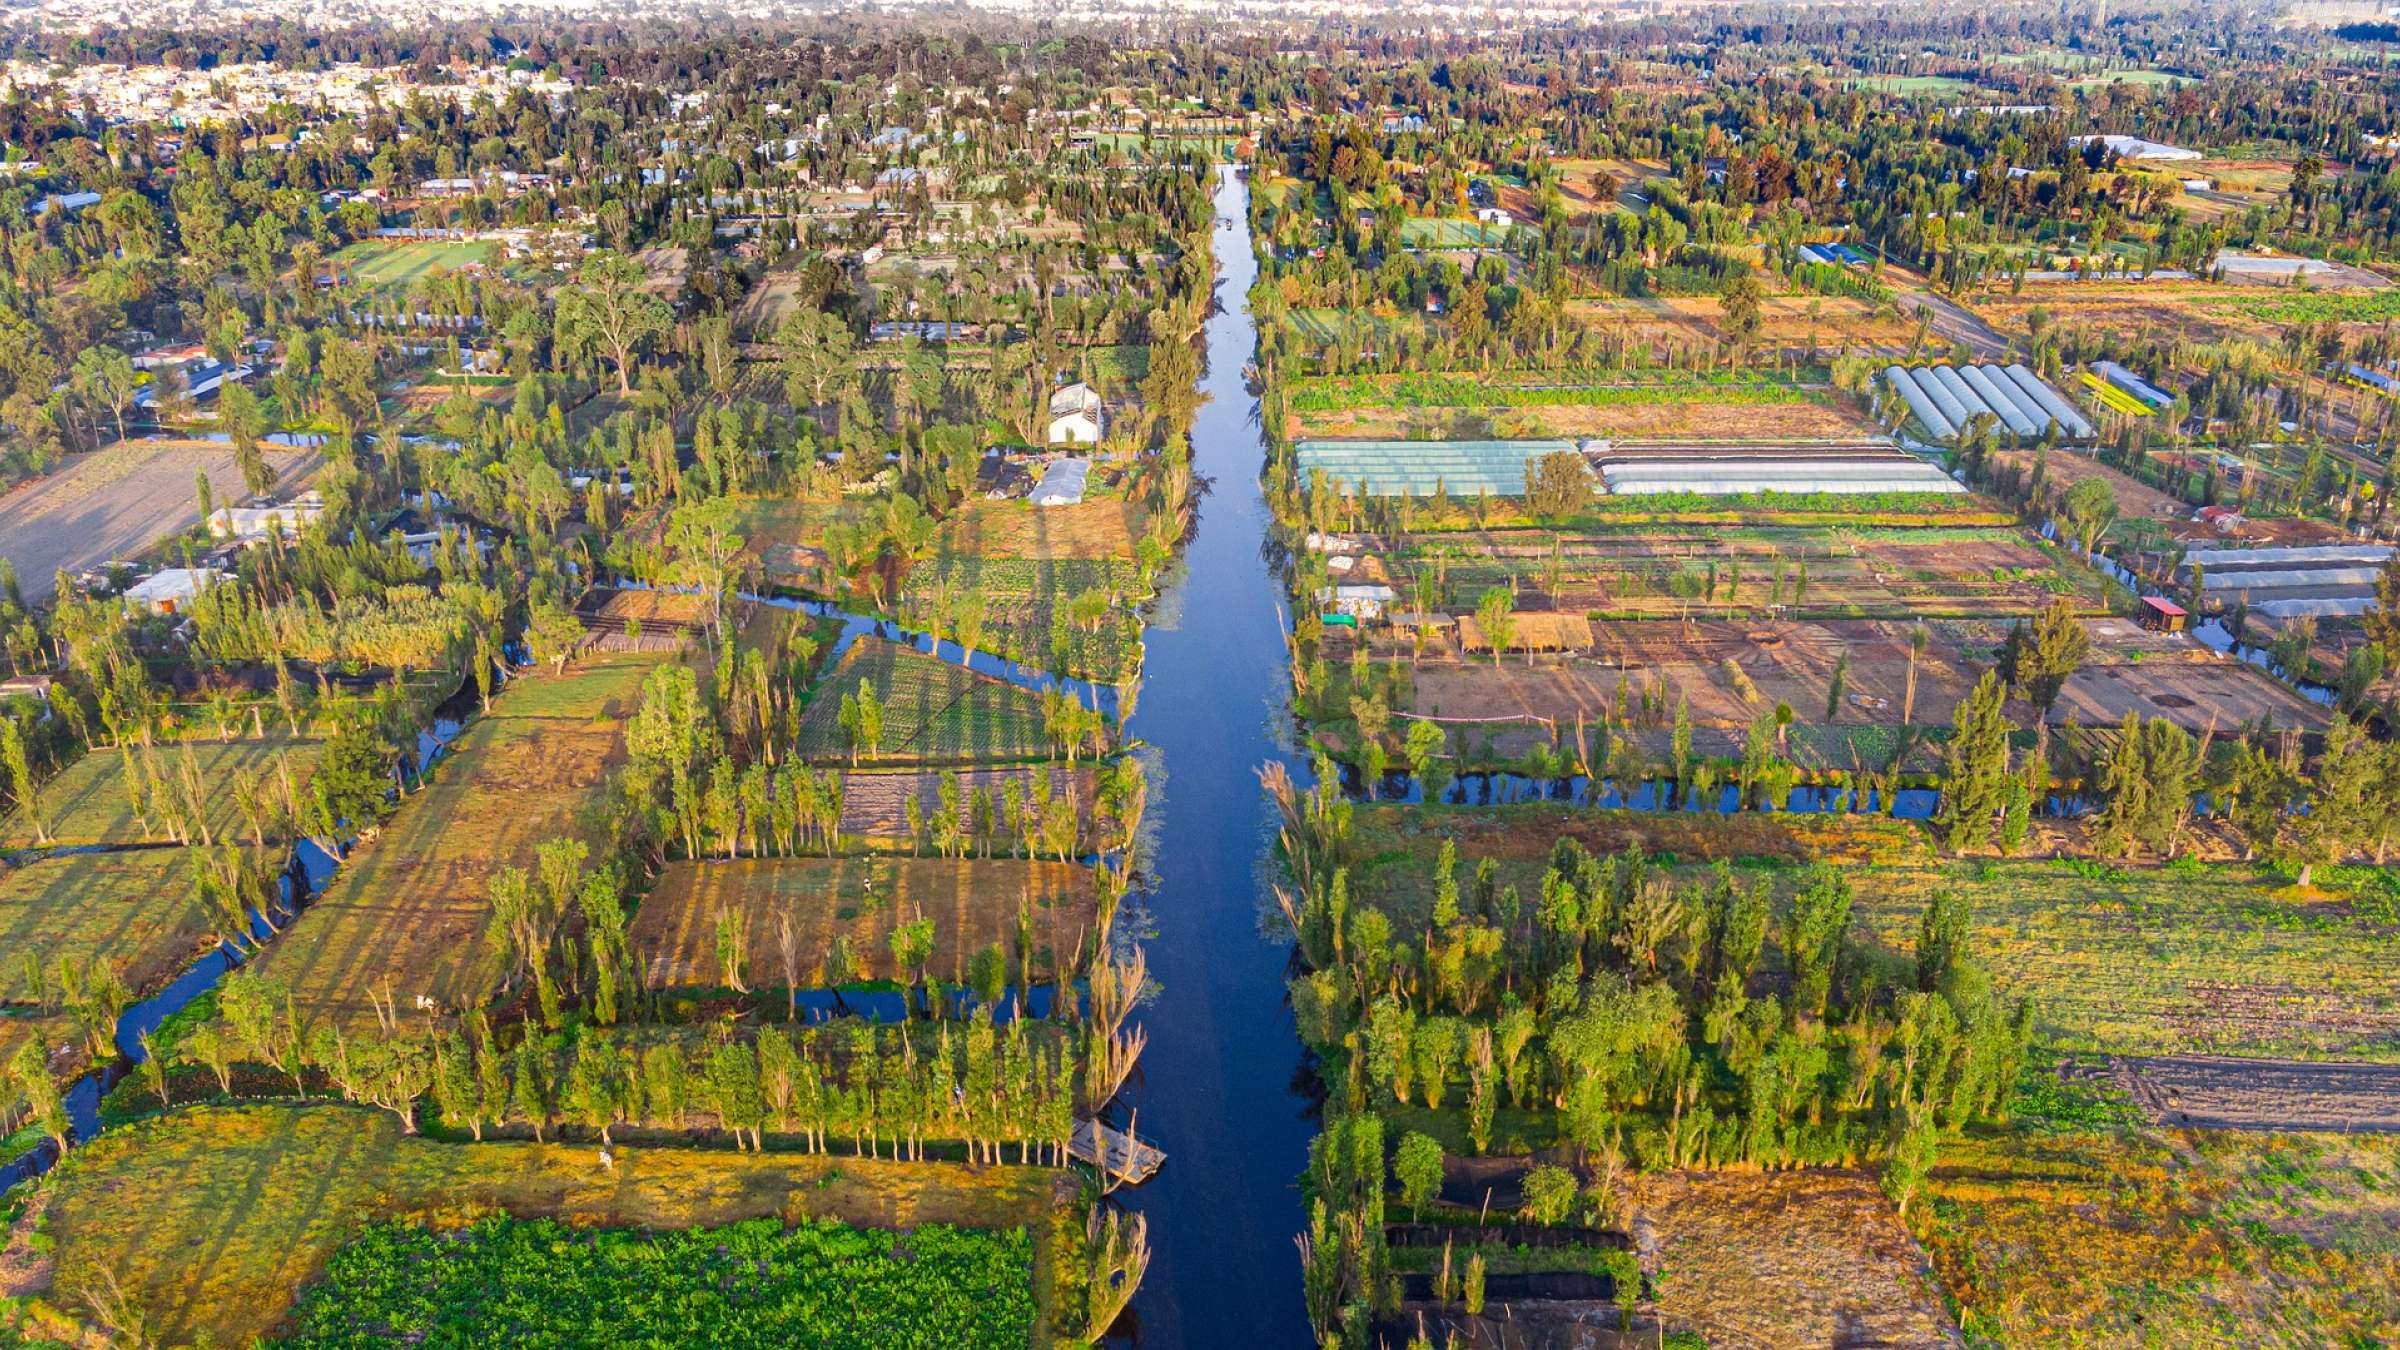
(1123, 1158)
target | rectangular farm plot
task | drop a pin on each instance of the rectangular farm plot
(133, 911)
(875, 803)
(1079, 614)
(91, 801)
(1048, 909)
(933, 712)
(405, 918)
(1100, 529)
(2164, 961)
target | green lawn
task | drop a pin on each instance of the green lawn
(397, 264)
(91, 801)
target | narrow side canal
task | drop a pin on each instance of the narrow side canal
(1218, 1086)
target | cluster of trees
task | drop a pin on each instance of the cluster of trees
(1631, 1006)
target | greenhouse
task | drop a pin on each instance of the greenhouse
(1417, 468)
(1736, 475)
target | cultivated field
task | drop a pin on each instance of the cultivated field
(405, 918)
(91, 802)
(875, 802)
(269, 1193)
(134, 912)
(1050, 907)
(2162, 961)
(117, 502)
(1023, 605)
(1017, 529)
(1401, 407)
(2072, 1226)
(2213, 1092)
(933, 712)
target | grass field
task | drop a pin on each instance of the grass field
(2198, 959)
(397, 264)
(2216, 960)
(406, 915)
(134, 911)
(972, 905)
(933, 712)
(2074, 1227)
(89, 802)
(1446, 232)
(1101, 529)
(239, 1209)
(1020, 603)
(1330, 326)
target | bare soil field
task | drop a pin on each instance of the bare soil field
(1784, 321)
(2214, 1092)
(1019, 529)
(972, 905)
(117, 502)
(874, 802)
(1783, 662)
(2194, 688)
(1785, 1258)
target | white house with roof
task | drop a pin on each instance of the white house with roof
(1075, 416)
(170, 590)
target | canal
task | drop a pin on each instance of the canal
(1220, 1088)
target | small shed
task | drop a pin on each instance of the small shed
(1062, 482)
(1075, 416)
(1367, 601)
(171, 590)
(2161, 615)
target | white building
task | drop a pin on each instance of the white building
(171, 590)
(1075, 416)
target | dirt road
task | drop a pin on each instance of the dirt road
(2213, 1092)
(1952, 323)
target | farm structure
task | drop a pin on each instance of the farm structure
(1040, 915)
(405, 919)
(1738, 470)
(2327, 581)
(1946, 399)
(1461, 468)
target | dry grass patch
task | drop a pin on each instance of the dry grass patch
(1042, 910)
(134, 912)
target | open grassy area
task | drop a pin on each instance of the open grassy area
(90, 802)
(396, 264)
(2075, 1227)
(2137, 960)
(211, 1220)
(134, 912)
(2215, 959)
(1031, 909)
(406, 915)
(933, 712)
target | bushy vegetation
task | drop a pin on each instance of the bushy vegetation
(752, 1284)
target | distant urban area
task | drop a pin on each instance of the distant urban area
(1291, 674)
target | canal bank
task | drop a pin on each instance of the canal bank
(1220, 1087)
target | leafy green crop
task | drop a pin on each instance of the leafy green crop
(538, 1282)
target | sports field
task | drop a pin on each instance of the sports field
(397, 264)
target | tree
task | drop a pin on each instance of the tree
(1495, 614)
(2042, 663)
(1557, 484)
(245, 422)
(1417, 1166)
(2090, 507)
(607, 312)
(1941, 938)
(23, 789)
(553, 634)
(2383, 621)
(106, 377)
(1744, 297)
(1549, 1194)
(1974, 766)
